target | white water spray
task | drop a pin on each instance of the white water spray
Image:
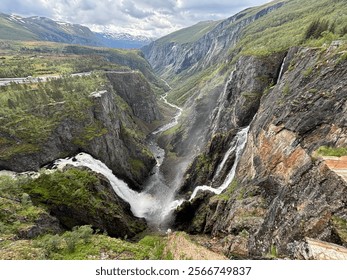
(140, 203)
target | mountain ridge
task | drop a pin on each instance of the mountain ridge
(45, 29)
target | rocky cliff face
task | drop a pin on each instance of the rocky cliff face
(136, 91)
(108, 130)
(173, 57)
(236, 106)
(282, 193)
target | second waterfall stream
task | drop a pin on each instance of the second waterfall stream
(157, 201)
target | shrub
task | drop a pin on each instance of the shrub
(343, 30)
(316, 28)
(330, 151)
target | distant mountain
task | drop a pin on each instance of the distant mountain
(123, 40)
(13, 27)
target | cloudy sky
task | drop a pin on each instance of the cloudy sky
(152, 18)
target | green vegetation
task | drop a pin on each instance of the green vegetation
(71, 187)
(189, 34)
(307, 72)
(286, 90)
(30, 112)
(137, 166)
(34, 58)
(82, 244)
(330, 151)
(204, 164)
(273, 252)
(31, 62)
(17, 213)
(309, 22)
(23, 204)
(90, 132)
(316, 29)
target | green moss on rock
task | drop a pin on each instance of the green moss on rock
(79, 197)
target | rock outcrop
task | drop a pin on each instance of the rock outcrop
(136, 91)
(79, 197)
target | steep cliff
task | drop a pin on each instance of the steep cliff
(173, 55)
(100, 123)
(136, 91)
(282, 192)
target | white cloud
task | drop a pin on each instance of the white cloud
(141, 17)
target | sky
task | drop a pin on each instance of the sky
(151, 18)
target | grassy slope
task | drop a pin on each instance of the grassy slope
(286, 26)
(29, 113)
(189, 34)
(13, 31)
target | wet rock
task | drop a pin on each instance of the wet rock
(190, 216)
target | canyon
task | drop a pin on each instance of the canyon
(223, 136)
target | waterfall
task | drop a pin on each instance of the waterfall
(241, 140)
(156, 201)
(281, 70)
(140, 203)
(225, 158)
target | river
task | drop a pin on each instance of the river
(157, 200)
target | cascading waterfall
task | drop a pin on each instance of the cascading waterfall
(225, 158)
(139, 202)
(281, 70)
(241, 139)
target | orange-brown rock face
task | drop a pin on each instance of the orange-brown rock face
(282, 193)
